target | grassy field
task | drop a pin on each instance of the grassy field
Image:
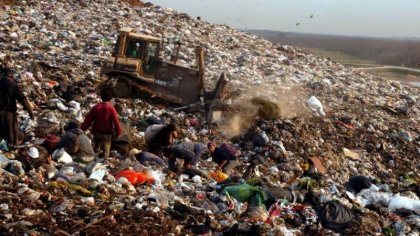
(383, 51)
(339, 57)
(400, 74)
(396, 74)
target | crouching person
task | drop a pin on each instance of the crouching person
(189, 151)
(160, 136)
(225, 157)
(76, 143)
(145, 157)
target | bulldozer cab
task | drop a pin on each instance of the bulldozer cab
(136, 53)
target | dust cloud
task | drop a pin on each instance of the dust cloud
(289, 100)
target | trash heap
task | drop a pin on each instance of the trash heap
(340, 155)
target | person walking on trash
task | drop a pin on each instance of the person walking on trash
(104, 121)
(9, 94)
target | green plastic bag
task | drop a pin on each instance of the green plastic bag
(246, 193)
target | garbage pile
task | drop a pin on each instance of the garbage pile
(322, 149)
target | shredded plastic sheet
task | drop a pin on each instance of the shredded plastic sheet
(135, 177)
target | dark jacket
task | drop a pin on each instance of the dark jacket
(191, 150)
(85, 147)
(161, 139)
(220, 154)
(9, 94)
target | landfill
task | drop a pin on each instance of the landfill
(338, 149)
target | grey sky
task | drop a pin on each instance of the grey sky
(379, 18)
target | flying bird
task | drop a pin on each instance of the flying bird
(297, 24)
(312, 16)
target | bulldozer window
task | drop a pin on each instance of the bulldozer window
(133, 49)
(149, 65)
(117, 46)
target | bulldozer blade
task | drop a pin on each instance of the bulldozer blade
(214, 111)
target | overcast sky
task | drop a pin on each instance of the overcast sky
(379, 18)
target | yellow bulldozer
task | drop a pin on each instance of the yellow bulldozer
(137, 66)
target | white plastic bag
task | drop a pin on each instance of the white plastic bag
(372, 196)
(62, 156)
(162, 197)
(315, 105)
(197, 179)
(401, 202)
(98, 172)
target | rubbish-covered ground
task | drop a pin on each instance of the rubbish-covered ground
(333, 123)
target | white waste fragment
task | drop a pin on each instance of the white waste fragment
(90, 201)
(404, 203)
(204, 132)
(4, 161)
(282, 58)
(283, 230)
(371, 197)
(4, 207)
(98, 172)
(197, 179)
(27, 125)
(28, 194)
(315, 105)
(62, 156)
(13, 36)
(33, 152)
(123, 181)
(162, 197)
(158, 176)
(273, 170)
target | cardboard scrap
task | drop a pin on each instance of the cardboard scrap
(318, 165)
(355, 154)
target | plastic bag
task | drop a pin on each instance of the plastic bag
(404, 203)
(218, 176)
(4, 161)
(372, 197)
(197, 179)
(28, 194)
(135, 177)
(315, 105)
(335, 216)
(62, 156)
(161, 197)
(98, 172)
(3, 145)
(158, 177)
(247, 193)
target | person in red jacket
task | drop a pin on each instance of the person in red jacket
(104, 121)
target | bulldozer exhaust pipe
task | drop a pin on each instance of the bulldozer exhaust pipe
(200, 59)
